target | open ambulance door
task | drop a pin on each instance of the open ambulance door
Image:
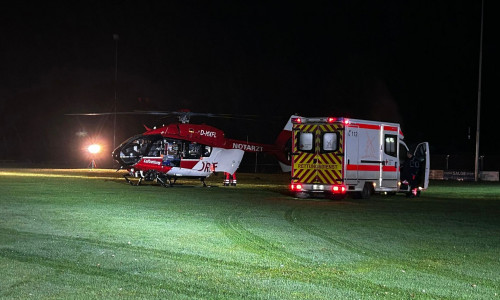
(422, 153)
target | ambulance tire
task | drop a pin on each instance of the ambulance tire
(367, 191)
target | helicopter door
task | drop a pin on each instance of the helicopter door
(423, 156)
(172, 153)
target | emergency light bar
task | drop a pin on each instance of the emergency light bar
(300, 120)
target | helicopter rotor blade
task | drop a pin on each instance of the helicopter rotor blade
(183, 116)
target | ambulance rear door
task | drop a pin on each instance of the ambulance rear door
(303, 153)
(329, 153)
(317, 154)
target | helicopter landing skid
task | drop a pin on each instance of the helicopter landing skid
(165, 181)
(169, 182)
(131, 182)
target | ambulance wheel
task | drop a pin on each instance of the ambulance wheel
(367, 191)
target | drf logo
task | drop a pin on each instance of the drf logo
(208, 167)
(211, 134)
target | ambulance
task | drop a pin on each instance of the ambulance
(338, 156)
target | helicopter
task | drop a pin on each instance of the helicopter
(186, 150)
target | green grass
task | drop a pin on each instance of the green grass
(87, 234)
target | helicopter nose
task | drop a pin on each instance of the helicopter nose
(116, 156)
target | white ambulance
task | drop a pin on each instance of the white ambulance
(336, 156)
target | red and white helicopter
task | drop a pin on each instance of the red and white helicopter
(186, 150)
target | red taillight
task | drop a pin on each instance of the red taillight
(296, 187)
(339, 189)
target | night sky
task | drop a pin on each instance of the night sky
(412, 62)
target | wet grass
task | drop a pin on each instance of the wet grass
(88, 234)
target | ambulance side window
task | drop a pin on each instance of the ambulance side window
(390, 145)
(329, 142)
(306, 141)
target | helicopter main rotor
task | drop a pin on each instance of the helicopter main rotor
(183, 115)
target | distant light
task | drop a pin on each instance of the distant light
(94, 148)
(81, 133)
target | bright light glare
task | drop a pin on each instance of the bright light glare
(94, 148)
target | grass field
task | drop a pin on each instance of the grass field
(87, 234)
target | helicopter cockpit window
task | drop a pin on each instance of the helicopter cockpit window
(156, 148)
(137, 147)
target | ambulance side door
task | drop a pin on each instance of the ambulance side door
(351, 158)
(422, 154)
(390, 162)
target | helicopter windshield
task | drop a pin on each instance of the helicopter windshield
(131, 151)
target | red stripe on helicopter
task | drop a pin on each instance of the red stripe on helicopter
(189, 164)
